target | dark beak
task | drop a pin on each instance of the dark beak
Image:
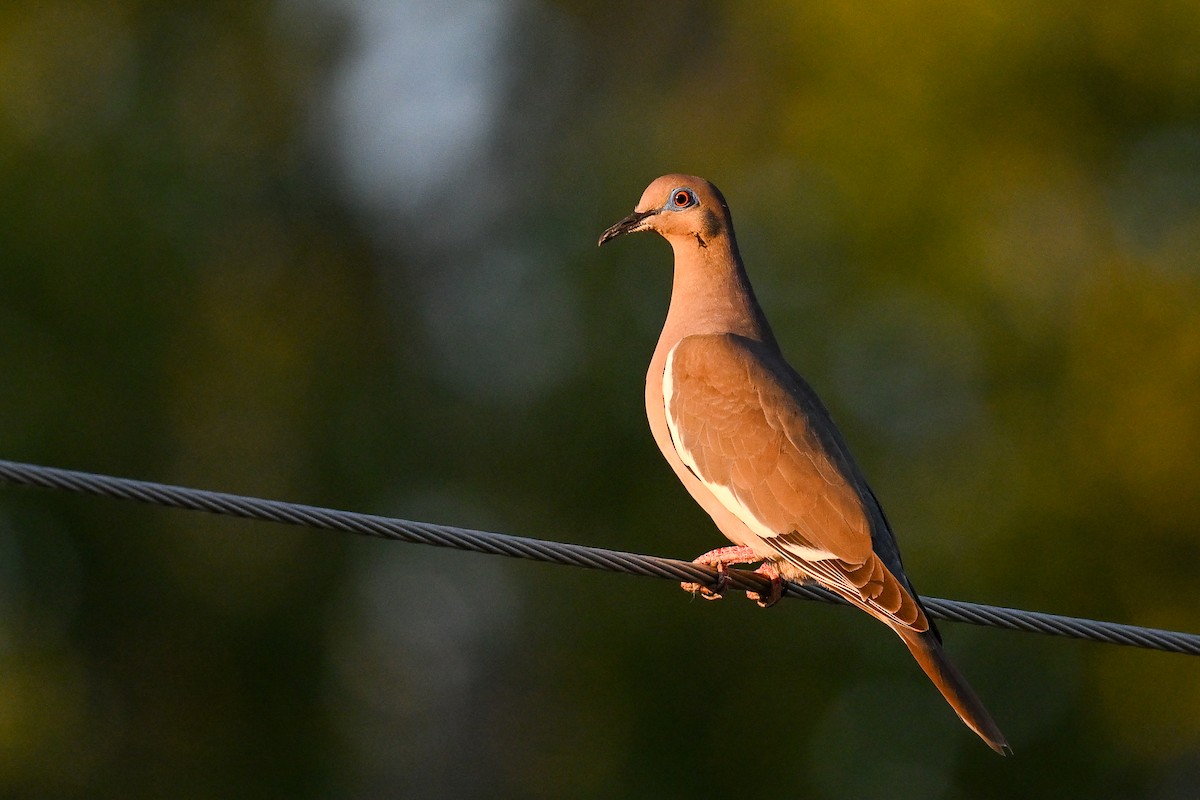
(630, 224)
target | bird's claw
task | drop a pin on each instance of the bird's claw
(714, 592)
(768, 569)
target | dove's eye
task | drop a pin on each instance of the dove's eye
(682, 198)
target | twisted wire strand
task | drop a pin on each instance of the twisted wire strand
(234, 505)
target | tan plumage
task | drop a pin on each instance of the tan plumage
(755, 447)
(797, 486)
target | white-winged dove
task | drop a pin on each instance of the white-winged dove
(755, 447)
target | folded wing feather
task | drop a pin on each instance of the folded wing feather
(751, 437)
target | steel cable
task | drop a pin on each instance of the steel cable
(561, 553)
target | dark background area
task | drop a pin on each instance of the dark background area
(342, 252)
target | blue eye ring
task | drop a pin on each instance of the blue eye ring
(682, 198)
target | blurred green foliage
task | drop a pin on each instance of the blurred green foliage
(343, 253)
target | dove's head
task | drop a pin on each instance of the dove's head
(678, 207)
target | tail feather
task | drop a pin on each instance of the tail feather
(954, 687)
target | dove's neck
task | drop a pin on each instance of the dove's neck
(710, 293)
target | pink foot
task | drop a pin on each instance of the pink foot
(768, 569)
(720, 559)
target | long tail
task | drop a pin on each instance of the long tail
(954, 687)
